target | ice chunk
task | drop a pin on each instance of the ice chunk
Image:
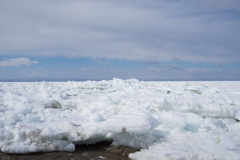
(129, 123)
(134, 140)
(69, 148)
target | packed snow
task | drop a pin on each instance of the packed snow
(166, 120)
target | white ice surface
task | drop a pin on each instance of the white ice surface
(166, 120)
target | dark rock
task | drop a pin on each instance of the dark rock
(5, 158)
(70, 155)
(85, 155)
(122, 150)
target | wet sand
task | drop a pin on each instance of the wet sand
(98, 151)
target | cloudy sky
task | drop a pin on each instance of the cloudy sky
(105, 39)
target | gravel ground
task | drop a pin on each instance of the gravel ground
(98, 151)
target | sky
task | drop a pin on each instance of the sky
(59, 40)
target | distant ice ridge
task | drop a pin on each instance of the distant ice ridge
(167, 120)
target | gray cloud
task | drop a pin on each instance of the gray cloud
(174, 67)
(196, 31)
(167, 68)
(150, 61)
(176, 59)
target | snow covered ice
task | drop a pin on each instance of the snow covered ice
(166, 120)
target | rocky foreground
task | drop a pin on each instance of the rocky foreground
(98, 151)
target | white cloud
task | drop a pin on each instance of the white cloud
(17, 62)
(97, 60)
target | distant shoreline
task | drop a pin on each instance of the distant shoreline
(123, 79)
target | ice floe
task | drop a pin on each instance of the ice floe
(166, 120)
